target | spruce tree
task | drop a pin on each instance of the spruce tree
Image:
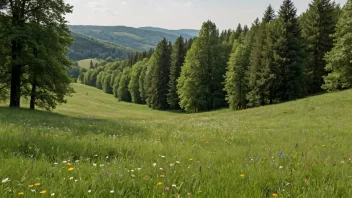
(177, 60)
(318, 23)
(91, 64)
(339, 63)
(159, 77)
(289, 54)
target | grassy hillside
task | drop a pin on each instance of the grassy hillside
(85, 47)
(95, 146)
(135, 38)
(86, 63)
(186, 33)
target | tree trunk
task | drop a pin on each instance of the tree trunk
(33, 94)
(15, 94)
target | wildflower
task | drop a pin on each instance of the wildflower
(36, 184)
(68, 164)
(52, 194)
(71, 169)
(21, 193)
(43, 192)
(112, 191)
(281, 167)
(32, 190)
(5, 180)
(241, 175)
(64, 162)
(161, 169)
(154, 164)
(107, 157)
(56, 163)
(89, 191)
(139, 169)
(282, 155)
(233, 161)
(30, 186)
(94, 164)
(162, 156)
(177, 162)
(198, 162)
(132, 171)
(162, 176)
(146, 178)
(160, 183)
(101, 165)
(71, 178)
(305, 181)
(190, 159)
(133, 175)
(174, 185)
(76, 161)
(172, 165)
(275, 195)
(167, 188)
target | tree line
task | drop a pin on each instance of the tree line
(281, 57)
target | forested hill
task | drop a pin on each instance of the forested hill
(136, 38)
(85, 47)
(186, 33)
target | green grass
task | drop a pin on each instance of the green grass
(126, 34)
(86, 63)
(124, 140)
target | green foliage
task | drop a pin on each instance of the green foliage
(159, 77)
(338, 60)
(318, 23)
(106, 84)
(177, 60)
(122, 92)
(133, 86)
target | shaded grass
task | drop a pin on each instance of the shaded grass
(296, 149)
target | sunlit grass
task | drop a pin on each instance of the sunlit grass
(95, 146)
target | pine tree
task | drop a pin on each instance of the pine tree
(318, 23)
(289, 54)
(238, 31)
(91, 64)
(339, 63)
(177, 60)
(159, 73)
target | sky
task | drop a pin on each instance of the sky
(173, 14)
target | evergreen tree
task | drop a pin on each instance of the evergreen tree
(200, 84)
(158, 89)
(122, 92)
(269, 15)
(91, 64)
(318, 23)
(177, 60)
(339, 63)
(289, 54)
(238, 31)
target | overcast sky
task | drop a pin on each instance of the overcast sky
(173, 14)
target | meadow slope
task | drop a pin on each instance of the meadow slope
(94, 146)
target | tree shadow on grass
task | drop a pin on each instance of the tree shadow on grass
(76, 125)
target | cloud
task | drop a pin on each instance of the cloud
(188, 4)
(96, 5)
(159, 8)
(124, 3)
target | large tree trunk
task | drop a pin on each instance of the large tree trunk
(33, 94)
(15, 94)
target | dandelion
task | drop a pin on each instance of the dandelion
(30, 186)
(5, 180)
(71, 169)
(112, 191)
(275, 195)
(160, 183)
(43, 192)
(21, 193)
(167, 188)
(36, 184)
(241, 175)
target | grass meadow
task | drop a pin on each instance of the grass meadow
(95, 146)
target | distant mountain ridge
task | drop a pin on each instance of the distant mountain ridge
(138, 39)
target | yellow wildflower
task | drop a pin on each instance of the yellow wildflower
(71, 178)
(275, 195)
(71, 169)
(160, 183)
(30, 186)
(233, 161)
(241, 175)
(162, 176)
(43, 192)
(68, 164)
(21, 193)
(190, 159)
(36, 184)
